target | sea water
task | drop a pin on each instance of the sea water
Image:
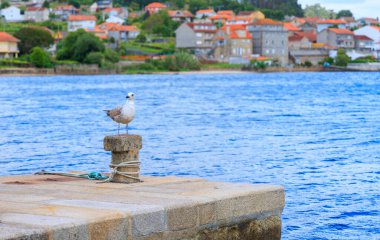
(317, 134)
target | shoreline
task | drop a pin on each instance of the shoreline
(42, 72)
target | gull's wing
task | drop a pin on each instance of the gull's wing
(114, 112)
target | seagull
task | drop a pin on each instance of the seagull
(125, 113)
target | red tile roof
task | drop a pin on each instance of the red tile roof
(266, 21)
(362, 38)
(205, 11)
(76, 18)
(226, 12)
(309, 35)
(332, 21)
(341, 31)
(375, 27)
(155, 5)
(35, 9)
(291, 27)
(295, 38)
(6, 37)
(221, 17)
(111, 9)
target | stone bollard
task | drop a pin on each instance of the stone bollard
(125, 164)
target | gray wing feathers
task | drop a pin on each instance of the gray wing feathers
(114, 112)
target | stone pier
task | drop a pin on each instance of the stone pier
(56, 207)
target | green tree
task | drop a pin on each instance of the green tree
(40, 58)
(4, 4)
(344, 13)
(75, 3)
(78, 44)
(141, 38)
(46, 4)
(317, 10)
(160, 24)
(342, 58)
(31, 37)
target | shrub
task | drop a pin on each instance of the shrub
(39, 58)
(182, 60)
(141, 38)
(94, 58)
(342, 58)
(111, 56)
(308, 63)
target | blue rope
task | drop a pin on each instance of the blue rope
(90, 176)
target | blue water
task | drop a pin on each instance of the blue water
(318, 134)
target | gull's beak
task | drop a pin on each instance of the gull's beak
(127, 97)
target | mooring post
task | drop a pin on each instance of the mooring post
(125, 164)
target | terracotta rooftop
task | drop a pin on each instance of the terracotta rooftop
(6, 37)
(332, 21)
(291, 27)
(155, 5)
(35, 9)
(295, 38)
(75, 18)
(266, 21)
(111, 9)
(309, 35)
(226, 12)
(341, 31)
(221, 17)
(362, 38)
(205, 11)
(376, 28)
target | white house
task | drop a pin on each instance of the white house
(76, 22)
(372, 32)
(336, 23)
(115, 12)
(12, 14)
(36, 14)
(115, 19)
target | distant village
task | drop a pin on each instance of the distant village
(221, 36)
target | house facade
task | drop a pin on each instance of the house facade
(76, 22)
(335, 37)
(155, 7)
(180, 16)
(62, 12)
(198, 37)
(233, 42)
(372, 32)
(36, 14)
(363, 42)
(270, 39)
(12, 14)
(8, 46)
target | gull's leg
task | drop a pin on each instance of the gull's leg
(127, 128)
(118, 129)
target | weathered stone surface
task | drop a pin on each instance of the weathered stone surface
(128, 156)
(264, 229)
(122, 143)
(182, 218)
(167, 208)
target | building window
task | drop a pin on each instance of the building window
(199, 34)
(199, 42)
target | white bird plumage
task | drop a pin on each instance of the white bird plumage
(125, 113)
